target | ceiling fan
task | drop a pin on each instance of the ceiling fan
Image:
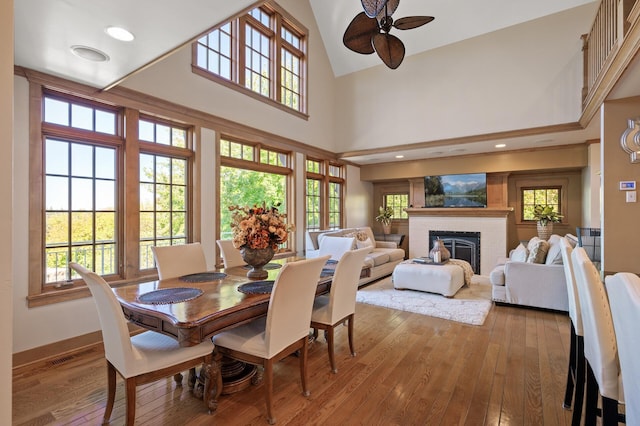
(368, 32)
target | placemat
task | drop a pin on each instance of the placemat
(267, 266)
(202, 277)
(169, 295)
(327, 272)
(256, 287)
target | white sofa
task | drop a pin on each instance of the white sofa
(384, 255)
(520, 281)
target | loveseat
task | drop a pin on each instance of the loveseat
(533, 275)
(384, 255)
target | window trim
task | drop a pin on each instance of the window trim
(543, 183)
(281, 18)
(385, 194)
(325, 179)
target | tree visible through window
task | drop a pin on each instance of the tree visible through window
(398, 203)
(531, 197)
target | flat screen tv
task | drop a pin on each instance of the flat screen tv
(465, 190)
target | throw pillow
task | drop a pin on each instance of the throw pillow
(335, 246)
(554, 255)
(366, 243)
(538, 251)
(520, 254)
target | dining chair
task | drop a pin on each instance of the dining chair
(340, 305)
(178, 260)
(230, 255)
(283, 331)
(140, 359)
(623, 289)
(600, 348)
(576, 371)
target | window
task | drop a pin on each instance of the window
(545, 196)
(398, 203)
(262, 52)
(324, 194)
(251, 174)
(85, 206)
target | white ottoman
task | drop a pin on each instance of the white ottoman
(443, 279)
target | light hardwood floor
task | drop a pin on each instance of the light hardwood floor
(410, 369)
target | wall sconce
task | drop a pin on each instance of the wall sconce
(630, 139)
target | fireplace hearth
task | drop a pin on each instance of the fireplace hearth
(462, 245)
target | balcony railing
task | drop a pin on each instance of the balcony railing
(608, 48)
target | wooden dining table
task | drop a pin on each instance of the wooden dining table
(219, 306)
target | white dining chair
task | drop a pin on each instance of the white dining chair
(576, 371)
(140, 359)
(231, 256)
(339, 306)
(623, 289)
(179, 260)
(283, 331)
(600, 347)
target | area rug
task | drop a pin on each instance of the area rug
(470, 305)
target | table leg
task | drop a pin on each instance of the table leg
(210, 382)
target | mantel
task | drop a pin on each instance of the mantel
(460, 212)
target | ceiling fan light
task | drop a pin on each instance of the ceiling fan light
(373, 7)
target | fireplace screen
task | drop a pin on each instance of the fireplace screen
(462, 245)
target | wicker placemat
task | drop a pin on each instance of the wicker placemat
(267, 266)
(327, 272)
(169, 295)
(202, 277)
(256, 287)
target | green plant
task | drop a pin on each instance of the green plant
(385, 214)
(545, 214)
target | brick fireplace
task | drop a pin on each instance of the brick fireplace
(489, 223)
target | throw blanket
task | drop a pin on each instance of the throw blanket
(466, 269)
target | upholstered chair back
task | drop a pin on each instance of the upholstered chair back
(342, 297)
(572, 291)
(600, 347)
(230, 255)
(623, 289)
(291, 302)
(175, 261)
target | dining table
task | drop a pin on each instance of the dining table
(195, 307)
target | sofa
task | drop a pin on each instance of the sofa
(533, 275)
(382, 258)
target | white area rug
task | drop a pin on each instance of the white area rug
(470, 305)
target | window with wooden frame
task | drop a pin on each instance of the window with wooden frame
(260, 53)
(252, 174)
(550, 191)
(324, 195)
(398, 203)
(78, 211)
(544, 196)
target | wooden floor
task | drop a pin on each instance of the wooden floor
(410, 369)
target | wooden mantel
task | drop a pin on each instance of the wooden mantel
(460, 212)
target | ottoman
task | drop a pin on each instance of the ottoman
(444, 279)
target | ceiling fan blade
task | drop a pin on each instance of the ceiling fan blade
(373, 7)
(391, 7)
(410, 22)
(389, 48)
(358, 35)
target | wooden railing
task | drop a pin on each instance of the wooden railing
(603, 43)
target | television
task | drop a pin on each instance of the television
(462, 190)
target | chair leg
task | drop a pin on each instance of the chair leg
(591, 401)
(580, 378)
(268, 388)
(111, 392)
(193, 377)
(303, 367)
(609, 412)
(571, 370)
(352, 347)
(332, 358)
(130, 385)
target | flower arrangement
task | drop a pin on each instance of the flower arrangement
(384, 215)
(545, 214)
(259, 227)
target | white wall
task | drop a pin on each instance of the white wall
(524, 76)
(358, 200)
(6, 214)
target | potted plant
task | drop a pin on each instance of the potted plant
(545, 217)
(385, 215)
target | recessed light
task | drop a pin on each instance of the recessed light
(501, 145)
(89, 53)
(119, 33)
(399, 156)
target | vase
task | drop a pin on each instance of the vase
(386, 229)
(545, 231)
(439, 253)
(257, 258)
